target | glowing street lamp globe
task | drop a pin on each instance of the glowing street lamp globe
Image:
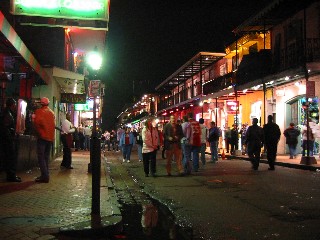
(94, 59)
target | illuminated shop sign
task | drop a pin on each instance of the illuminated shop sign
(81, 107)
(74, 9)
(73, 98)
(232, 106)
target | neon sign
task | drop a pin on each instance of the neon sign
(74, 9)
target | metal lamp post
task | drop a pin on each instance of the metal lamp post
(95, 61)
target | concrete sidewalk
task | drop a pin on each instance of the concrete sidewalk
(31, 210)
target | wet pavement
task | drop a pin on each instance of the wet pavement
(61, 209)
(30, 210)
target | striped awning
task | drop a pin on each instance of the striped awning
(17, 44)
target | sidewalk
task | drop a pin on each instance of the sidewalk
(284, 161)
(30, 210)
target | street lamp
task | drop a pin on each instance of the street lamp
(95, 61)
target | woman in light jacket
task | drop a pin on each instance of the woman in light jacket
(150, 138)
(126, 142)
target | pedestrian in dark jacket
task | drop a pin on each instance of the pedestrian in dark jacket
(291, 134)
(271, 138)
(7, 140)
(254, 141)
(234, 138)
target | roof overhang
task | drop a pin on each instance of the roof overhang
(273, 14)
(11, 45)
(69, 82)
(195, 65)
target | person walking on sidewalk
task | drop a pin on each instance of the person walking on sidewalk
(8, 142)
(172, 135)
(291, 134)
(254, 141)
(272, 135)
(44, 123)
(139, 143)
(126, 142)
(150, 138)
(204, 137)
(213, 139)
(67, 138)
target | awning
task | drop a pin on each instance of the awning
(12, 45)
(70, 82)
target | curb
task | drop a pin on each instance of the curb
(103, 226)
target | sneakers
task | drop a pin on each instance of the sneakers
(128, 161)
(14, 179)
(140, 160)
(123, 160)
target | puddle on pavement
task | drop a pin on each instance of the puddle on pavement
(151, 220)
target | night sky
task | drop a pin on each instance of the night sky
(148, 40)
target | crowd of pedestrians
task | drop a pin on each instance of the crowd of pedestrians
(183, 143)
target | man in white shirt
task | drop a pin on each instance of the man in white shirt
(67, 141)
(87, 135)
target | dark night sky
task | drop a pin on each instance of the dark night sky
(148, 40)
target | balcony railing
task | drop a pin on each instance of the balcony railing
(254, 66)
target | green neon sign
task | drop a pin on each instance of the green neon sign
(81, 107)
(74, 9)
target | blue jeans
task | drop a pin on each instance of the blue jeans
(186, 157)
(43, 151)
(139, 151)
(292, 149)
(214, 151)
(203, 153)
(305, 146)
(126, 151)
(87, 142)
(195, 157)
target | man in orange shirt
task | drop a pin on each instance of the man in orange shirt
(44, 123)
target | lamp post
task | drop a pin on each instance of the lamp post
(95, 61)
(201, 105)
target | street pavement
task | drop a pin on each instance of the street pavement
(30, 210)
(62, 207)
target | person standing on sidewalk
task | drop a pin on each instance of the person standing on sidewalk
(66, 137)
(193, 144)
(291, 134)
(172, 135)
(204, 137)
(87, 135)
(44, 123)
(8, 142)
(272, 135)
(150, 138)
(185, 160)
(254, 141)
(126, 142)
(234, 139)
(227, 138)
(213, 139)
